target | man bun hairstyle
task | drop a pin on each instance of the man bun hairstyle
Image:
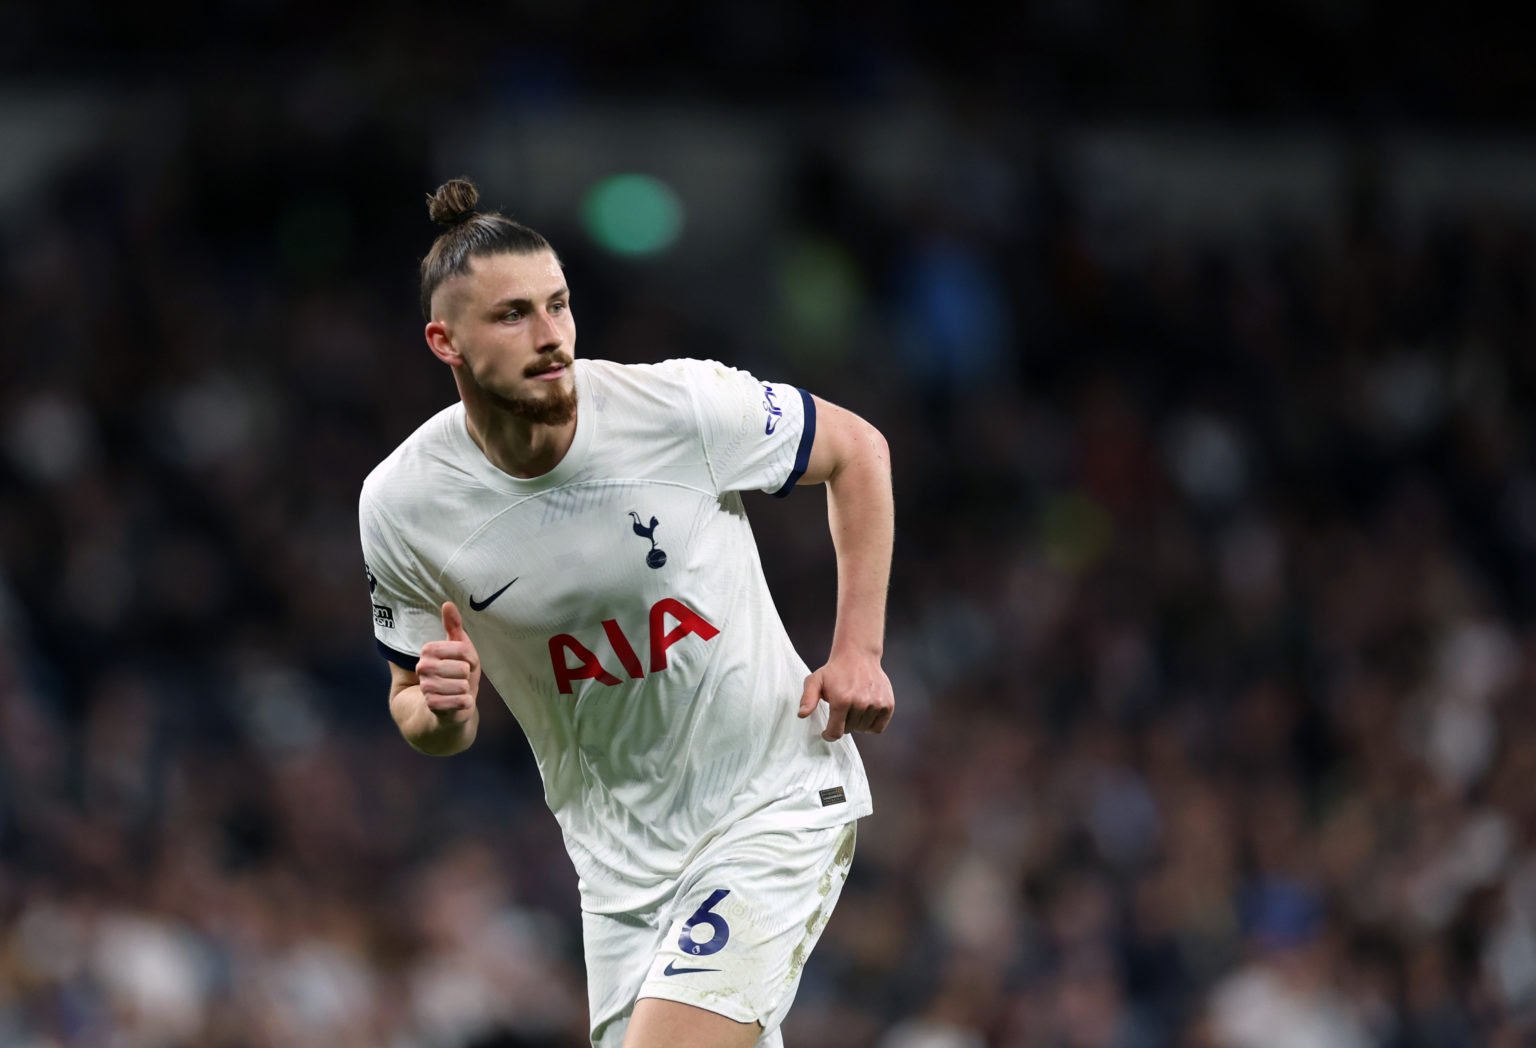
(453, 202)
(470, 234)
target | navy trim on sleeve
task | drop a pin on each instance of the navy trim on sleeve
(399, 658)
(803, 453)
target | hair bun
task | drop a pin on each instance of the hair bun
(454, 202)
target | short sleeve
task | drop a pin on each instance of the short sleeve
(405, 614)
(757, 435)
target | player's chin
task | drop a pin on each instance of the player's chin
(555, 407)
(546, 403)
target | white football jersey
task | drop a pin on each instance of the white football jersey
(619, 607)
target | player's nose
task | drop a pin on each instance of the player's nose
(549, 335)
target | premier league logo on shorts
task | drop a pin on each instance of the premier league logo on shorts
(657, 557)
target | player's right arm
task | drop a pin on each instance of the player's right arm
(434, 704)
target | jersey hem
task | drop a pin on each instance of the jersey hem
(634, 898)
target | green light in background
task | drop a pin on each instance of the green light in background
(633, 214)
(1075, 531)
(820, 289)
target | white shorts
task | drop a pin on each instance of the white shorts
(733, 938)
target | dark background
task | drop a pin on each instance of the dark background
(1202, 335)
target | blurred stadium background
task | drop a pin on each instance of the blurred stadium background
(1203, 335)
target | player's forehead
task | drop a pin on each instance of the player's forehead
(506, 276)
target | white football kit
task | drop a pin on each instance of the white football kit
(619, 607)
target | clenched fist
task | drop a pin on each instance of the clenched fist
(857, 693)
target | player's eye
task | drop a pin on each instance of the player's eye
(512, 314)
(557, 307)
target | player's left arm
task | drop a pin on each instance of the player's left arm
(852, 458)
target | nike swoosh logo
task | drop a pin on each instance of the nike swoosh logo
(481, 605)
(673, 969)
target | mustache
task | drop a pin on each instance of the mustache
(547, 365)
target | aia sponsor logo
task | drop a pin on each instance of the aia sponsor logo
(572, 660)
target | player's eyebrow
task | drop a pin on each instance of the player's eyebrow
(526, 304)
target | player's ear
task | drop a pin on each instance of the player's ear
(440, 342)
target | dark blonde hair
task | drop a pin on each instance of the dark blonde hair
(470, 234)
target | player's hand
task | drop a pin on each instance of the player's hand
(857, 693)
(449, 669)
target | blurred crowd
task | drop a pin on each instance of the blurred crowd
(1211, 622)
(1359, 62)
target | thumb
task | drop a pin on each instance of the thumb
(810, 695)
(453, 622)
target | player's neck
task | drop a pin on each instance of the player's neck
(514, 445)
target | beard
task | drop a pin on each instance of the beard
(555, 408)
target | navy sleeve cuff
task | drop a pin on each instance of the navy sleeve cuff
(399, 658)
(803, 452)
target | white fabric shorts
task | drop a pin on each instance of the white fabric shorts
(733, 937)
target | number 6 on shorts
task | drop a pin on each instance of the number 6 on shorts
(716, 923)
